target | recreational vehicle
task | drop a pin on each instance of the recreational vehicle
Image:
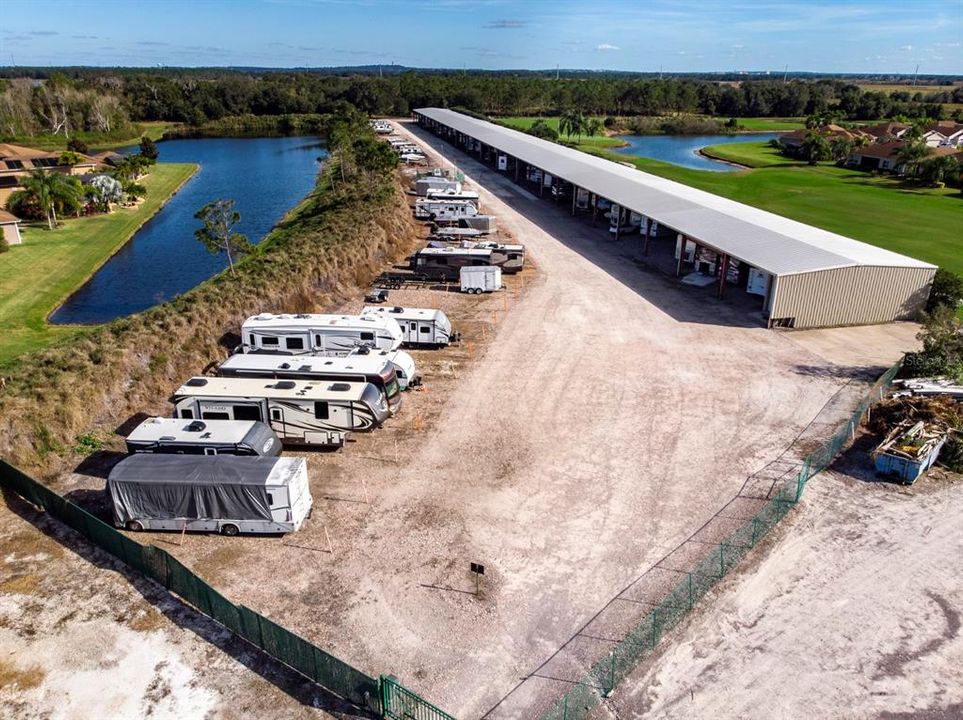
(428, 209)
(300, 412)
(510, 258)
(175, 436)
(370, 368)
(444, 263)
(482, 223)
(224, 494)
(310, 334)
(421, 326)
(469, 195)
(424, 184)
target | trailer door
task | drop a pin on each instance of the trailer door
(277, 420)
(412, 334)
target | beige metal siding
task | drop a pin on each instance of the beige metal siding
(861, 295)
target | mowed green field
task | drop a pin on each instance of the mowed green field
(921, 222)
(40, 274)
(524, 122)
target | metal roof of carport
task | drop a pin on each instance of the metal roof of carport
(763, 239)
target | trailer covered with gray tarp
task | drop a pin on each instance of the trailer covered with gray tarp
(220, 493)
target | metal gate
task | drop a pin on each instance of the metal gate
(400, 703)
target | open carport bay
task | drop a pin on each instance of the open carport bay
(590, 423)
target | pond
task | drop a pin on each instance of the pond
(684, 149)
(266, 177)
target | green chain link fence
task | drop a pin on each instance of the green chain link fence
(607, 673)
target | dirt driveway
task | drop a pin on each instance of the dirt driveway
(596, 416)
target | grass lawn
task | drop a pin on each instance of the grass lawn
(751, 154)
(771, 124)
(40, 274)
(924, 223)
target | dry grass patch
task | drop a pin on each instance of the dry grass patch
(20, 678)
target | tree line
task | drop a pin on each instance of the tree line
(105, 99)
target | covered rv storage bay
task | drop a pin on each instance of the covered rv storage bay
(801, 276)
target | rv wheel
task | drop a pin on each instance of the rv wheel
(229, 530)
(135, 526)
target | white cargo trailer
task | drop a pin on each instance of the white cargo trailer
(421, 326)
(477, 280)
(318, 334)
(176, 436)
(224, 494)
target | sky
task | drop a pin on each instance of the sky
(831, 36)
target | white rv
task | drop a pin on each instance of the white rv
(372, 368)
(424, 184)
(224, 494)
(175, 436)
(444, 263)
(477, 280)
(300, 412)
(469, 195)
(421, 326)
(429, 209)
(313, 334)
(402, 362)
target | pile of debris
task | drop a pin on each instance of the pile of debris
(941, 410)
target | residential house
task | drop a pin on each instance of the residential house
(946, 133)
(886, 132)
(10, 228)
(16, 162)
(876, 156)
(794, 140)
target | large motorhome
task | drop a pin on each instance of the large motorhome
(429, 209)
(300, 412)
(510, 258)
(445, 262)
(421, 326)
(224, 494)
(461, 194)
(175, 436)
(318, 334)
(372, 368)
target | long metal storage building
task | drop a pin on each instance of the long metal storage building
(813, 277)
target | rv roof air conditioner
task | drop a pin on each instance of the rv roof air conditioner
(285, 385)
(196, 426)
(339, 387)
(197, 382)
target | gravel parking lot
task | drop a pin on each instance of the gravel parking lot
(595, 415)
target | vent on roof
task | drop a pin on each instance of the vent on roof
(285, 385)
(397, 309)
(196, 426)
(304, 368)
(167, 437)
(284, 366)
(362, 350)
(197, 382)
(339, 387)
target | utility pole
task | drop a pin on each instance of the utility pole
(556, 71)
(660, 72)
(785, 75)
(916, 74)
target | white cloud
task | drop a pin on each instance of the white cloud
(605, 47)
(906, 48)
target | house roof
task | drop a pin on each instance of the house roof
(946, 128)
(830, 130)
(885, 129)
(880, 150)
(7, 218)
(19, 152)
(763, 239)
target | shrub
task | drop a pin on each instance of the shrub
(4, 245)
(947, 290)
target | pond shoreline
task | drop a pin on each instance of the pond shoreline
(120, 246)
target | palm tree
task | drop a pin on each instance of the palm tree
(840, 148)
(815, 148)
(50, 189)
(911, 154)
(572, 122)
(940, 169)
(594, 126)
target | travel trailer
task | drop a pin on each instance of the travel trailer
(510, 258)
(421, 326)
(224, 494)
(444, 263)
(402, 362)
(424, 184)
(453, 210)
(469, 195)
(317, 334)
(300, 412)
(175, 436)
(371, 368)
(476, 280)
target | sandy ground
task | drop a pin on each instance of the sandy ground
(853, 612)
(82, 638)
(594, 418)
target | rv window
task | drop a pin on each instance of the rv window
(215, 416)
(250, 340)
(294, 343)
(321, 410)
(247, 412)
(269, 340)
(317, 340)
(187, 414)
(367, 336)
(270, 499)
(425, 329)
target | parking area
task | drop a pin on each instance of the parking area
(595, 414)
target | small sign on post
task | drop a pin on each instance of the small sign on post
(477, 569)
